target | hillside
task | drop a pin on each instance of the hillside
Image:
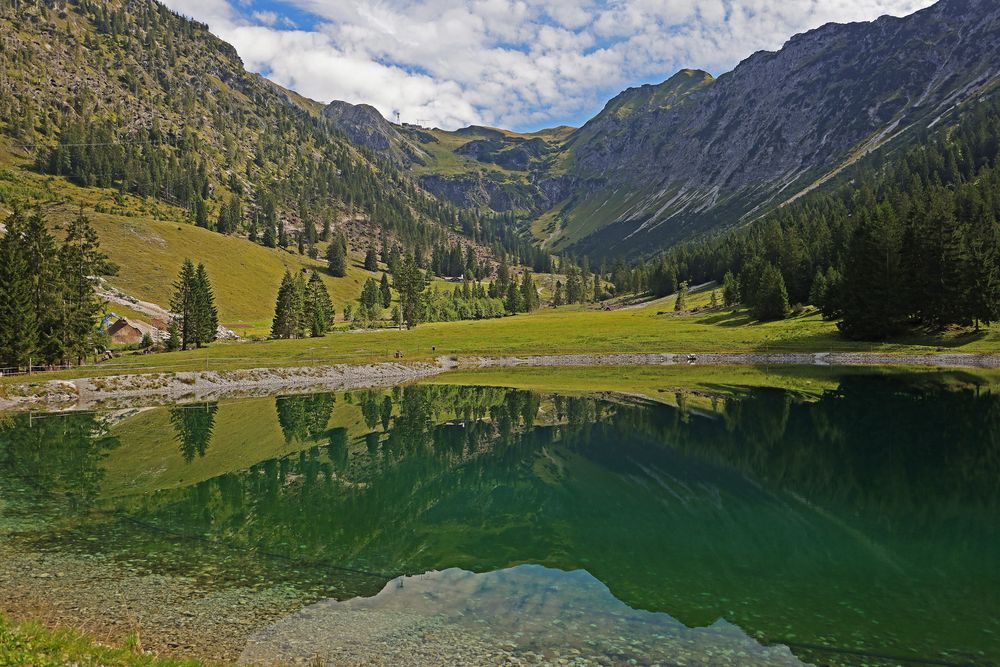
(669, 162)
(154, 127)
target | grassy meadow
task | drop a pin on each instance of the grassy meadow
(652, 328)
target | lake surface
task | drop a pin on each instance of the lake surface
(855, 524)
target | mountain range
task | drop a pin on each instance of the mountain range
(669, 162)
(660, 164)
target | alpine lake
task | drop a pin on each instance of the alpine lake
(855, 523)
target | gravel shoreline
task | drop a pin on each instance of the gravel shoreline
(158, 388)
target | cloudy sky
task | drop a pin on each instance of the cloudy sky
(520, 64)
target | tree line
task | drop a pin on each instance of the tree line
(907, 242)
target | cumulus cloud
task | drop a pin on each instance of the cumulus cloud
(512, 63)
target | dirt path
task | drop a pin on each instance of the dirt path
(137, 390)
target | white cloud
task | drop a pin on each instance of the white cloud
(511, 63)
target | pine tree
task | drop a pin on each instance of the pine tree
(557, 298)
(529, 294)
(772, 297)
(336, 258)
(206, 315)
(46, 288)
(18, 326)
(80, 261)
(371, 259)
(730, 290)
(410, 285)
(385, 291)
(173, 336)
(872, 279)
(318, 307)
(680, 303)
(289, 311)
(183, 304)
(370, 301)
(513, 300)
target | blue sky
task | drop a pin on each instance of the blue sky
(519, 64)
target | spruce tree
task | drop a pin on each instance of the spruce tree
(529, 294)
(872, 279)
(772, 296)
(46, 288)
(410, 285)
(730, 290)
(385, 291)
(204, 311)
(318, 306)
(680, 303)
(289, 311)
(18, 326)
(336, 258)
(512, 302)
(80, 261)
(183, 303)
(371, 259)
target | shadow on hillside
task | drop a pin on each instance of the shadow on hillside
(729, 318)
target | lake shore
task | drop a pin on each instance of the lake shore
(158, 388)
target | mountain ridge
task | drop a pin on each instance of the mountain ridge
(662, 163)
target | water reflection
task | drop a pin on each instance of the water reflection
(862, 519)
(525, 613)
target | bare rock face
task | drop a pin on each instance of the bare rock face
(364, 126)
(704, 153)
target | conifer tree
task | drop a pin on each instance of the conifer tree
(183, 304)
(204, 311)
(46, 288)
(385, 291)
(513, 300)
(370, 301)
(318, 306)
(730, 290)
(371, 259)
(336, 258)
(681, 302)
(289, 311)
(80, 261)
(529, 294)
(410, 285)
(557, 298)
(772, 297)
(18, 325)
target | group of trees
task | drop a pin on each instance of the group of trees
(196, 319)
(49, 312)
(909, 242)
(302, 308)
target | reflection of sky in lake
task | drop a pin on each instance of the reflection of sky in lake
(527, 612)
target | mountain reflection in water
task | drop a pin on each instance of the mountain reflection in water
(857, 522)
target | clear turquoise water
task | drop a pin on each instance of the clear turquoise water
(858, 527)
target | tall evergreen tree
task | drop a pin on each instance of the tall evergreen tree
(336, 257)
(18, 324)
(206, 315)
(410, 284)
(80, 262)
(772, 296)
(289, 311)
(371, 259)
(184, 304)
(385, 291)
(318, 306)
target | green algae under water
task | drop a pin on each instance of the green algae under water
(859, 525)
